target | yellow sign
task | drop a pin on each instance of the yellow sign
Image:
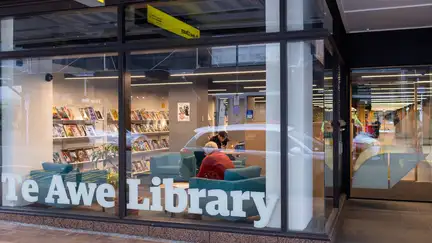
(171, 24)
(101, 1)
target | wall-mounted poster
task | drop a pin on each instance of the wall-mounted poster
(183, 112)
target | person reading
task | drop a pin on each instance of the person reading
(215, 163)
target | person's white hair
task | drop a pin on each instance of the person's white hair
(210, 147)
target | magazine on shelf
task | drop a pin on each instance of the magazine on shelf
(114, 114)
(145, 165)
(134, 116)
(60, 130)
(62, 113)
(89, 152)
(83, 114)
(66, 156)
(82, 130)
(75, 130)
(92, 113)
(99, 115)
(75, 113)
(55, 113)
(135, 146)
(82, 155)
(73, 156)
(90, 130)
(56, 158)
(68, 130)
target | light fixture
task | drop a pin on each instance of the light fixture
(262, 91)
(389, 84)
(238, 81)
(260, 101)
(395, 75)
(101, 77)
(159, 84)
(254, 87)
(218, 94)
(217, 90)
(328, 78)
(91, 77)
(216, 73)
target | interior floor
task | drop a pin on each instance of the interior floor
(375, 221)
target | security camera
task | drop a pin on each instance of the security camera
(48, 77)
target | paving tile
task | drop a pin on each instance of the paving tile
(179, 234)
(127, 229)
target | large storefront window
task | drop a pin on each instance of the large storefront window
(56, 144)
(207, 130)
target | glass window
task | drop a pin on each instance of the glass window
(309, 159)
(58, 150)
(200, 19)
(391, 132)
(206, 137)
(59, 29)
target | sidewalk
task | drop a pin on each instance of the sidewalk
(23, 233)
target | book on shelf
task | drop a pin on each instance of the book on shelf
(99, 115)
(89, 152)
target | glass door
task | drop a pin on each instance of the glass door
(392, 133)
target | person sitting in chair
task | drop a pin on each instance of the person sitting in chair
(215, 163)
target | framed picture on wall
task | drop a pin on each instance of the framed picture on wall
(183, 111)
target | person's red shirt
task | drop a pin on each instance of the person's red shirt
(214, 165)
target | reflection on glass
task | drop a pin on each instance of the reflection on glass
(59, 29)
(55, 133)
(391, 133)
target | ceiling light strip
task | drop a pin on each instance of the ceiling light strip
(161, 84)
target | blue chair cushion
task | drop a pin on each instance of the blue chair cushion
(59, 168)
(242, 173)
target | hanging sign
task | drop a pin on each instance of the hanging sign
(92, 3)
(171, 24)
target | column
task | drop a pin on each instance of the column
(300, 119)
(273, 163)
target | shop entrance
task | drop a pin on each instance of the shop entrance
(391, 134)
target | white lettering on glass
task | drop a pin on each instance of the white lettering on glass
(176, 199)
(57, 188)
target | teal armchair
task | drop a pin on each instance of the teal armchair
(242, 179)
(44, 177)
(173, 165)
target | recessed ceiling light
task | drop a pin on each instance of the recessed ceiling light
(217, 90)
(239, 81)
(159, 84)
(217, 73)
(254, 87)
